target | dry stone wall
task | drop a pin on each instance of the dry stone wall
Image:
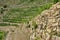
(48, 24)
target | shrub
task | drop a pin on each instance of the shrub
(2, 35)
(5, 6)
(55, 1)
(35, 25)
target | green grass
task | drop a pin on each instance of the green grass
(5, 24)
(2, 35)
(20, 15)
(25, 2)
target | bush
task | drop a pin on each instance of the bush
(5, 6)
(55, 1)
(35, 25)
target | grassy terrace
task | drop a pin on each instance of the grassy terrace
(7, 24)
(20, 15)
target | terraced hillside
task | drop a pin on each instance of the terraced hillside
(16, 14)
(18, 11)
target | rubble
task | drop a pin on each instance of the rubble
(48, 23)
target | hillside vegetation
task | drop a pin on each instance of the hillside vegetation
(13, 12)
(23, 11)
(20, 11)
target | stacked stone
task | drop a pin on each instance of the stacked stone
(48, 23)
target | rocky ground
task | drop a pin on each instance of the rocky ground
(16, 33)
(47, 27)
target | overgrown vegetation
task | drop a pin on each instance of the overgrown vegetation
(20, 15)
(25, 14)
(55, 1)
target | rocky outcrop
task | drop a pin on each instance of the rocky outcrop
(48, 24)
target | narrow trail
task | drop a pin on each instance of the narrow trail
(16, 33)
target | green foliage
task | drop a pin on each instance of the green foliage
(21, 15)
(55, 1)
(5, 24)
(45, 6)
(34, 25)
(5, 6)
(2, 35)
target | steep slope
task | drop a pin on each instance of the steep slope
(47, 25)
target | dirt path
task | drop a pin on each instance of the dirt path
(16, 33)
